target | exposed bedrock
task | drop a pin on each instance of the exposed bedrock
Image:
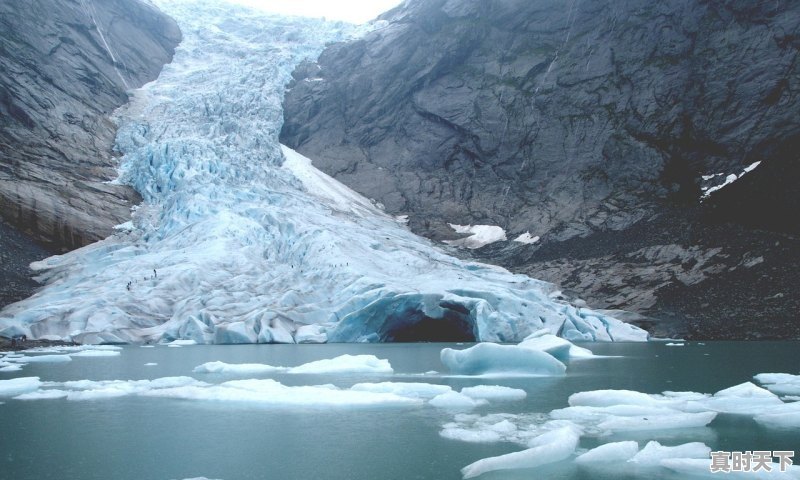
(66, 66)
(596, 126)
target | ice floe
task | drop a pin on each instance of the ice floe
(549, 447)
(16, 386)
(500, 360)
(343, 364)
(609, 453)
(404, 389)
(494, 392)
(782, 384)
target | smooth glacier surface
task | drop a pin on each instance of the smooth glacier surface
(241, 240)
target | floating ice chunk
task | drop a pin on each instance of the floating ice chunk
(782, 384)
(494, 359)
(346, 364)
(44, 359)
(150, 364)
(456, 401)
(493, 392)
(17, 386)
(43, 395)
(96, 353)
(609, 453)
(697, 467)
(673, 344)
(657, 422)
(271, 393)
(653, 453)
(311, 334)
(404, 389)
(499, 427)
(787, 420)
(10, 367)
(183, 342)
(479, 235)
(93, 390)
(608, 398)
(237, 369)
(547, 448)
(558, 347)
(471, 436)
(743, 399)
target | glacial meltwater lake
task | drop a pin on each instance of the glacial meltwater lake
(133, 436)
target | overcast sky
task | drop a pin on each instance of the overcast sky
(355, 11)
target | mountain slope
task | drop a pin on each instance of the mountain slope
(596, 126)
(66, 66)
(239, 240)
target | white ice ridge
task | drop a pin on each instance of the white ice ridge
(242, 241)
(479, 235)
(526, 238)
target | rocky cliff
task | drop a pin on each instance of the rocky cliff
(65, 66)
(600, 127)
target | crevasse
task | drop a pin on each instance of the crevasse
(240, 240)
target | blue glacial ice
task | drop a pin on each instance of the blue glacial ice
(241, 240)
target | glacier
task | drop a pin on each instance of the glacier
(242, 240)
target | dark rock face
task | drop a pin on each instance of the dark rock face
(65, 66)
(590, 124)
(17, 251)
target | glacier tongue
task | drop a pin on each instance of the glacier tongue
(240, 240)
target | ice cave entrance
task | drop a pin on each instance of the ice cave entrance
(413, 325)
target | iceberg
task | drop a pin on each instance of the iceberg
(17, 386)
(404, 389)
(494, 392)
(343, 364)
(237, 369)
(549, 447)
(242, 240)
(494, 359)
(653, 453)
(456, 401)
(614, 452)
(782, 384)
(556, 346)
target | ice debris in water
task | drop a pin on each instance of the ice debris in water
(239, 240)
(264, 392)
(456, 401)
(601, 413)
(504, 360)
(343, 364)
(782, 384)
(609, 453)
(549, 447)
(16, 386)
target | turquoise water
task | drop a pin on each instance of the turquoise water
(136, 437)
